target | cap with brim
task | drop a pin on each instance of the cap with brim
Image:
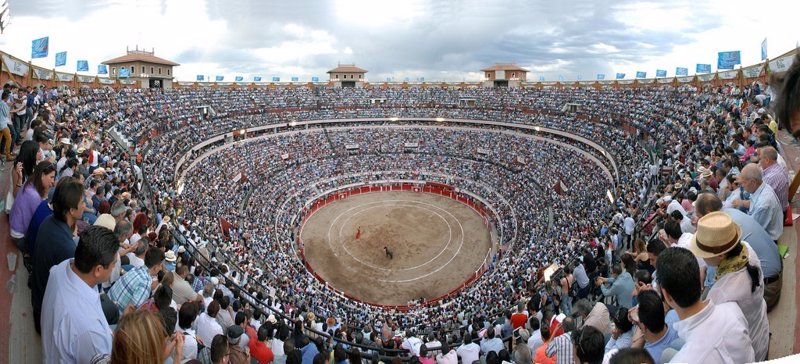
(170, 256)
(107, 221)
(65, 141)
(99, 171)
(716, 234)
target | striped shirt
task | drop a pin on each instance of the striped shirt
(775, 176)
(561, 347)
(133, 288)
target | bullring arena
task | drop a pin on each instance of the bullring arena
(438, 244)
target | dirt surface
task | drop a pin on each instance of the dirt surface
(437, 245)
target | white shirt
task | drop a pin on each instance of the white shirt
(134, 260)
(74, 328)
(535, 341)
(207, 328)
(449, 358)
(412, 344)
(190, 344)
(684, 242)
(705, 344)
(767, 210)
(735, 287)
(469, 353)
(629, 225)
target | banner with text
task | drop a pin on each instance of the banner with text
(16, 67)
(728, 60)
(40, 47)
(681, 71)
(61, 59)
(703, 68)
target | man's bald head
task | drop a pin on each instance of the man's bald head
(707, 203)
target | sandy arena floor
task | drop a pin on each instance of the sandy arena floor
(438, 244)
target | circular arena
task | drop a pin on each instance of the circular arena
(409, 243)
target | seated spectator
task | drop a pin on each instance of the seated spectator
(519, 318)
(714, 333)
(491, 343)
(186, 318)
(54, 242)
(763, 204)
(621, 333)
(237, 355)
(774, 175)
(535, 339)
(596, 315)
(738, 276)
(219, 349)
(560, 347)
(134, 287)
(755, 235)
(30, 195)
(140, 337)
(260, 348)
(657, 334)
(207, 325)
(181, 289)
(632, 356)
(445, 356)
(588, 344)
(74, 327)
(469, 351)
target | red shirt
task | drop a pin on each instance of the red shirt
(261, 352)
(518, 320)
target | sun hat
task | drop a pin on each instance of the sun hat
(170, 256)
(716, 234)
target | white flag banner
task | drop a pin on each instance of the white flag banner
(728, 75)
(646, 80)
(606, 82)
(86, 79)
(625, 82)
(781, 64)
(107, 81)
(665, 80)
(43, 74)
(685, 79)
(127, 82)
(65, 77)
(753, 72)
(706, 77)
(14, 66)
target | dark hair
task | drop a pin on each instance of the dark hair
(67, 196)
(219, 348)
(629, 263)
(492, 358)
(621, 320)
(679, 275)
(534, 323)
(97, 246)
(41, 169)
(643, 276)
(673, 229)
(752, 270)
(240, 317)
(27, 156)
(788, 94)
(263, 332)
(655, 246)
(589, 344)
(632, 356)
(213, 309)
(320, 358)
(187, 314)
(545, 331)
(153, 257)
(651, 310)
(162, 297)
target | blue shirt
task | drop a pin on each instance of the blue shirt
(4, 110)
(54, 244)
(41, 213)
(766, 209)
(309, 352)
(755, 235)
(655, 349)
(622, 289)
(74, 328)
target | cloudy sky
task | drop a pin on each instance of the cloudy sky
(447, 40)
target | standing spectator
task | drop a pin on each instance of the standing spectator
(238, 355)
(5, 127)
(519, 318)
(738, 276)
(582, 279)
(55, 242)
(540, 355)
(207, 325)
(491, 343)
(629, 225)
(621, 286)
(714, 333)
(535, 340)
(73, 324)
(219, 349)
(469, 351)
(186, 318)
(260, 348)
(596, 316)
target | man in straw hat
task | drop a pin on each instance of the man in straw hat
(714, 332)
(738, 276)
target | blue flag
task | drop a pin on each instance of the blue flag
(579, 77)
(295, 78)
(541, 78)
(83, 65)
(620, 76)
(124, 72)
(316, 79)
(201, 78)
(257, 78)
(764, 49)
(102, 69)
(39, 47)
(61, 59)
(601, 76)
(641, 74)
(727, 60)
(703, 68)
(681, 71)
(561, 77)
(239, 78)
(661, 73)
(219, 78)
(276, 79)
